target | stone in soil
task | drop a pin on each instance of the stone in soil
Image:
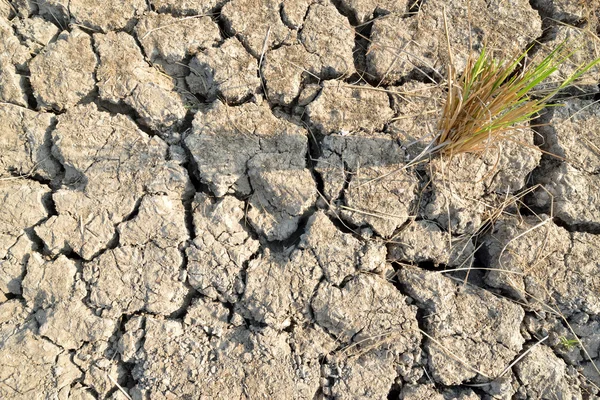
(11, 49)
(323, 51)
(36, 32)
(12, 85)
(363, 11)
(186, 7)
(330, 36)
(543, 375)
(240, 362)
(484, 181)
(270, 278)
(340, 255)
(55, 290)
(284, 69)
(365, 310)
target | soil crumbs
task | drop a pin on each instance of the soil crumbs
(209, 200)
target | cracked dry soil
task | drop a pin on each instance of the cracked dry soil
(189, 207)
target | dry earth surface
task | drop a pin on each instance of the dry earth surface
(204, 199)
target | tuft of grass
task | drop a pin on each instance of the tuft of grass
(494, 97)
(569, 344)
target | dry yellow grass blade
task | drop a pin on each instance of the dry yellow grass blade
(493, 97)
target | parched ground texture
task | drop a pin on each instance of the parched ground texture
(206, 200)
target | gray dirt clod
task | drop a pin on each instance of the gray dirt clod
(25, 148)
(329, 35)
(465, 322)
(417, 107)
(212, 316)
(558, 268)
(284, 190)
(381, 197)
(6, 11)
(572, 192)
(368, 376)
(346, 155)
(54, 290)
(424, 241)
(36, 32)
(224, 139)
(535, 247)
(48, 283)
(14, 257)
(567, 11)
(167, 40)
(340, 255)
(399, 45)
(104, 16)
(324, 51)
(29, 363)
(429, 392)
(368, 311)
(570, 185)
(55, 11)
(571, 135)
(582, 265)
(420, 392)
(484, 181)
(109, 165)
(227, 72)
(371, 197)
(222, 247)
(285, 68)
(279, 288)
(24, 8)
(187, 7)
(257, 23)
(101, 366)
(363, 11)
(11, 49)
(246, 149)
(239, 364)
(344, 108)
(12, 88)
(63, 73)
(22, 205)
(124, 76)
(543, 376)
(294, 11)
(22, 208)
(145, 271)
